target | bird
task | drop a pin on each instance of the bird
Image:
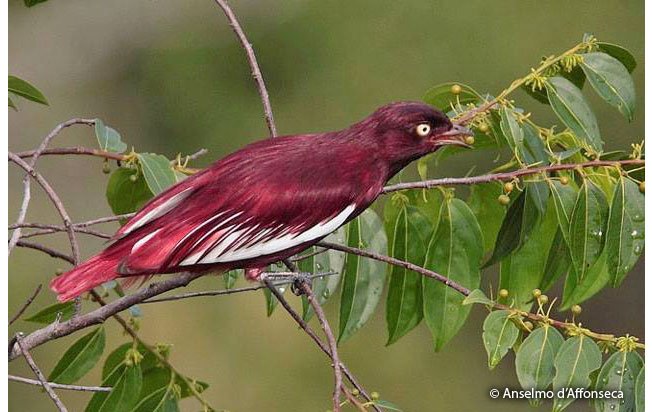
(267, 201)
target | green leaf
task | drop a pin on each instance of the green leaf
(79, 358)
(442, 96)
(116, 359)
(557, 263)
(576, 359)
(108, 138)
(50, 313)
(477, 296)
(363, 278)
(619, 53)
(387, 405)
(499, 334)
(157, 394)
(578, 290)
(404, 308)
(23, 89)
(619, 373)
(568, 103)
(158, 173)
(533, 150)
(125, 195)
(270, 300)
(535, 358)
(11, 104)
(231, 277)
(454, 251)
(576, 76)
(588, 225)
(521, 218)
(327, 261)
(126, 382)
(625, 229)
(489, 213)
(512, 130)
(639, 391)
(611, 80)
(523, 270)
(564, 198)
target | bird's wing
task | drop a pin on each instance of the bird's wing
(228, 215)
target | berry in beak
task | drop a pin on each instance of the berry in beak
(457, 135)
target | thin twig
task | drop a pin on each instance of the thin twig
(53, 253)
(319, 312)
(253, 64)
(229, 291)
(49, 229)
(60, 386)
(27, 195)
(304, 325)
(450, 181)
(26, 304)
(39, 375)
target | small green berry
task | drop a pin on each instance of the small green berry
(576, 309)
(456, 89)
(375, 395)
(483, 128)
(641, 187)
(543, 299)
(509, 186)
(564, 180)
(536, 293)
(133, 178)
(355, 392)
(503, 200)
(503, 293)
(528, 325)
(469, 140)
(106, 169)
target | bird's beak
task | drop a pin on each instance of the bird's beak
(457, 135)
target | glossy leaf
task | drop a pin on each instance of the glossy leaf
(126, 382)
(523, 270)
(499, 334)
(521, 218)
(578, 290)
(477, 296)
(80, 358)
(639, 391)
(619, 373)
(157, 171)
(564, 198)
(23, 89)
(387, 405)
(270, 300)
(108, 138)
(487, 210)
(568, 103)
(157, 393)
(327, 261)
(611, 80)
(576, 359)
(442, 96)
(576, 76)
(536, 356)
(50, 313)
(125, 195)
(557, 263)
(512, 130)
(404, 308)
(454, 251)
(231, 277)
(363, 278)
(619, 53)
(588, 225)
(625, 241)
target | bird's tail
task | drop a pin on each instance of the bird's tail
(95, 271)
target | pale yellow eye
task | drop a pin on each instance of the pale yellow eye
(423, 129)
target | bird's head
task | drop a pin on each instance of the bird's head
(405, 131)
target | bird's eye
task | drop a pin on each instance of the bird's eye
(423, 129)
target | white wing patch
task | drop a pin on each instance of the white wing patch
(144, 240)
(158, 211)
(253, 248)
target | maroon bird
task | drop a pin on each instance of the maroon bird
(268, 201)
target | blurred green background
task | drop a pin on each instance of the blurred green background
(170, 77)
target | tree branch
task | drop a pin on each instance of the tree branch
(507, 176)
(39, 375)
(60, 386)
(253, 64)
(26, 304)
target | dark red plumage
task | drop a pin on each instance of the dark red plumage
(267, 201)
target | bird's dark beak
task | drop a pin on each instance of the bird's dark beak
(457, 135)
